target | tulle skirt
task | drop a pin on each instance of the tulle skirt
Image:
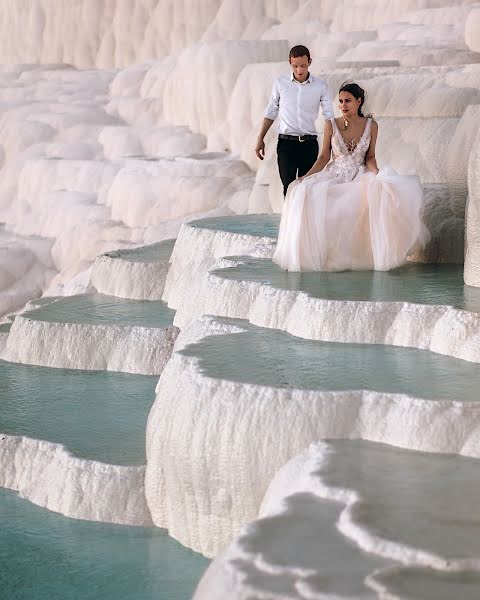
(370, 223)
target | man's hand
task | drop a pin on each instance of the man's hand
(260, 149)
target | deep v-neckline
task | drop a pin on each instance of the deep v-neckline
(344, 142)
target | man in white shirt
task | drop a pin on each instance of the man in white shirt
(296, 99)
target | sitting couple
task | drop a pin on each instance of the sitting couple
(342, 212)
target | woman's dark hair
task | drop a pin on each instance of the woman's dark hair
(298, 51)
(356, 91)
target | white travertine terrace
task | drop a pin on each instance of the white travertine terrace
(101, 34)
(435, 327)
(207, 482)
(472, 254)
(141, 116)
(133, 274)
(189, 269)
(354, 519)
(109, 347)
(205, 77)
(472, 30)
(47, 474)
(199, 79)
(25, 269)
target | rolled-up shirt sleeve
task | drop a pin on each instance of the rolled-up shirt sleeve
(326, 104)
(273, 106)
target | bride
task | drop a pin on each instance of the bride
(345, 213)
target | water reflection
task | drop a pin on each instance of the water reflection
(423, 284)
(46, 556)
(277, 359)
(99, 309)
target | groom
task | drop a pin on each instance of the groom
(296, 99)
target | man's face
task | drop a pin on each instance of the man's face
(300, 66)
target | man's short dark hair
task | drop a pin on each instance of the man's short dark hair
(297, 51)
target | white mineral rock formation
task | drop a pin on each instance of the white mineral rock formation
(435, 327)
(472, 255)
(109, 347)
(472, 30)
(138, 274)
(99, 161)
(199, 79)
(189, 268)
(47, 474)
(325, 508)
(213, 445)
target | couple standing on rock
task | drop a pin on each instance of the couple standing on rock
(341, 212)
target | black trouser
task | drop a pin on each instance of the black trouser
(295, 156)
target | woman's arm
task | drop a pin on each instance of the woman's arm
(370, 160)
(324, 156)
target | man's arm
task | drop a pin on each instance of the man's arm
(260, 147)
(326, 103)
(270, 116)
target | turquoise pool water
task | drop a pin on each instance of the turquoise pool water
(97, 414)
(98, 309)
(274, 358)
(424, 284)
(258, 225)
(45, 556)
(151, 253)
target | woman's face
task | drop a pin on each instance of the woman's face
(348, 104)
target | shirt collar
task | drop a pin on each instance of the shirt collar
(308, 80)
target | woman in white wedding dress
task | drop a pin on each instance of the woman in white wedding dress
(345, 213)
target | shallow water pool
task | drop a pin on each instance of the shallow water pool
(46, 556)
(97, 414)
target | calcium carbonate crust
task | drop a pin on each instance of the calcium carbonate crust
(438, 328)
(127, 279)
(214, 445)
(252, 566)
(48, 475)
(131, 349)
(472, 254)
(196, 251)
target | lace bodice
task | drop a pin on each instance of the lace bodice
(345, 164)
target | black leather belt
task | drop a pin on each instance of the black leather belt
(297, 138)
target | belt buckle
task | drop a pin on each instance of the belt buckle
(300, 138)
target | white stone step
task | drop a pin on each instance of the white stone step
(138, 274)
(74, 441)
(94, 332)
(236, 402)
(354, 519)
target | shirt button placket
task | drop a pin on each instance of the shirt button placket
(299, 112)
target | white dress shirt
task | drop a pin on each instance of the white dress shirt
(297, 104)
